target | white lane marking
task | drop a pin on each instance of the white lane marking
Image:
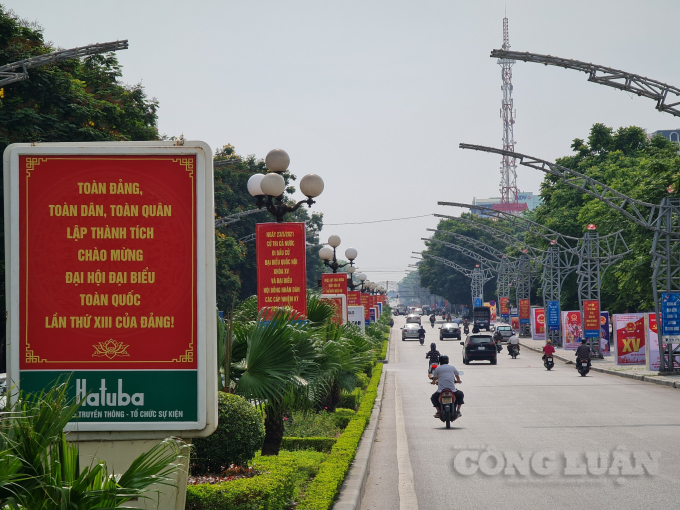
(407, 493)
(396, 349)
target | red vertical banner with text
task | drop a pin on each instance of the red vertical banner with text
(281, 267)
(334, 283)
(591, 318)
(505, 306)
(366, 303)
(524, 311)
(353, 298)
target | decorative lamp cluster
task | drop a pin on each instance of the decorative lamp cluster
(268, 188)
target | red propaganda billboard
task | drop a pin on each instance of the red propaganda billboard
(353, 298)
(524, 311)
(281, 273)
(591, 318)
(338, 301)
(114, 278)
(334, 283)
(630, 339)
(505, 306)
(538, 324)
(366, 302)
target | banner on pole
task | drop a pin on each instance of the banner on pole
(281, 265)
(572, 329)
(366, 303)
(353, 298)
(591, 318)
(553, 315)
(605, 337)
(505, 307)
(524, 311)
(537, 324)
(334, 283)
(653, 357)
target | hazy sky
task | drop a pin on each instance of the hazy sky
(375, 96)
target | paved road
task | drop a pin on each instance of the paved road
(551, 423)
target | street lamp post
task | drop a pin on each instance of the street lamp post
(328, 255)
(268, 188)
(350, 278)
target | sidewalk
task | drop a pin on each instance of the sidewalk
(607, 365)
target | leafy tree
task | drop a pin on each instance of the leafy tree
(67, 101)
(629, 162)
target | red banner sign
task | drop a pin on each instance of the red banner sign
(524, 310)
(109, 265)
(336, 302)
(353, 298)
(281, 268)
(591, 316)
(334, 283)
(505, 306)
(366, 303)
(630, 339)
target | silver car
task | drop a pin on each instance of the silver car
(410, 331)
(413, 319)
(505, 330)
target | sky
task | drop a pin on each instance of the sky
(376, 96)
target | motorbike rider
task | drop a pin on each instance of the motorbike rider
(446, 376)
(432, 319)
(448, 317)
(513, 341)
(475, 328)
(548, 349)
(498, 338)
(433, 356)
(421, 333)
(583, 352)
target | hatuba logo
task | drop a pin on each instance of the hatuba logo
(540, 318)
(630, 327)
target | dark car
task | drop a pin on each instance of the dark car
(449, 330)
(479, 346)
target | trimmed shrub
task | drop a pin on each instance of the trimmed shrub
(273, 489)
(239, 435)
(362, 380)
(342, 417)
(319, 444)
(311, 424)
(321, 492)
(350, 399)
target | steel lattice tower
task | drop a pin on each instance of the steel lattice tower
(508, 187)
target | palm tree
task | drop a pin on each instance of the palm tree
(39, 469)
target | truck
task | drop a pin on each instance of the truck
(481, 316)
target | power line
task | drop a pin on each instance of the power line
(378, 221)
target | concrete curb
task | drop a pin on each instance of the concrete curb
(352, 490)
(637, 377)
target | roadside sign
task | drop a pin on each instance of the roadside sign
(670, 314)
(553, 313)
(524, 311)
(355, 315)
(478, 301)
(111, 281)
(591, 318)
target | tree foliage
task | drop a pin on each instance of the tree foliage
(637, 166)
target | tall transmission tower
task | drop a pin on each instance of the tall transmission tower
(509, 191)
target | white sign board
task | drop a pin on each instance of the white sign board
(355, 315)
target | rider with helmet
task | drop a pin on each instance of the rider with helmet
(446, 376)
(548, 349)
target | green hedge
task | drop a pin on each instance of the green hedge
(273, 490)
(319, 444)
(321, 492)
(342, 417)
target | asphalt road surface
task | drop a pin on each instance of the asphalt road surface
(528, 438)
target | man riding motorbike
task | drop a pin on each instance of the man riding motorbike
(583, 352)
(498, 338)
(513, 342)
(548, 349)
(446, 376)
(421, 334)
(432, 319)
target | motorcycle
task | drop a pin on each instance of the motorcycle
(433, 367)
(583, 367)
(514, 351)
(422, 339)
(548, 362)
(447, 404)
(466, 329)
(432, 323)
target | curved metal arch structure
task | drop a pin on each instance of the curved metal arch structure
(622, 80)
(9, 73)
(489, 250)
